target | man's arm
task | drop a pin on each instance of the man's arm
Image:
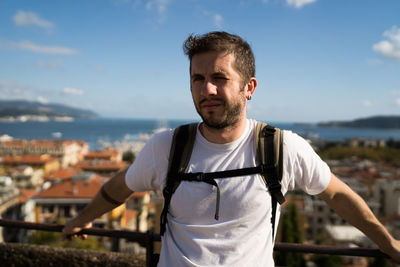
(351, 207)
(115, 190)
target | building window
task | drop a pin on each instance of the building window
(80, 207)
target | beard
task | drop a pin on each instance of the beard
(229, 117)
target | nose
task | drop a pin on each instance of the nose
(208, 88)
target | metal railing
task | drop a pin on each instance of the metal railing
(147, 240)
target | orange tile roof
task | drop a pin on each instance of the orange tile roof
(25, 194)
(28, 159)
(102, 153)
(41, 143)
(74, 189)
(65, 173)
(130, 214)
(101, 165)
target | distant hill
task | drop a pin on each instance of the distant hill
(15, 108)
(387, 122)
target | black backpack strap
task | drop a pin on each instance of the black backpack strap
(180, 153)
(269, 153)
(209, 178)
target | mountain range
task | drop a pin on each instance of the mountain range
(15, 108)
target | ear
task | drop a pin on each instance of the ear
(250, 87)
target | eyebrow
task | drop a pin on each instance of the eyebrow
(219, 73)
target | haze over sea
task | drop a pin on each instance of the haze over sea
(94, 131)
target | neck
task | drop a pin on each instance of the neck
(225, 135)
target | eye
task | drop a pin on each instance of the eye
(197, 78)
(220, 78)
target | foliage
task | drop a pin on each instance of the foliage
(393, 143)
(55, 240)
(327, 260)
(379, 262)
(128, 156)
(377, 154)
(323, 259)
(291, 233)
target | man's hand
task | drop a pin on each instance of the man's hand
(73, 227)
(116, 189)
(393, 251)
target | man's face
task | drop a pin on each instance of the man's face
(217, 89)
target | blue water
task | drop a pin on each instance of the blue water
(112, 130)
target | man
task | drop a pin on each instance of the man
(222, 80)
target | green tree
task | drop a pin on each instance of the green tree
(327, 260)
(128, 156)
(291, 233)
(379, 262)
(323, 259)
(55, 240)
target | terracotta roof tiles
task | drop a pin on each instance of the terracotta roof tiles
(74, 188)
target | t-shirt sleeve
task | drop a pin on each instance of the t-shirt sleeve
(149, 169)
(303, 168)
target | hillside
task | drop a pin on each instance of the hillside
(387, 122)
(15, 108)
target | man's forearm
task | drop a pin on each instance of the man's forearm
(351, 207)
(114, 189)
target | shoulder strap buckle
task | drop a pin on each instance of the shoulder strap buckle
(275, 190)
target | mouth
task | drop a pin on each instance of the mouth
(210, 105)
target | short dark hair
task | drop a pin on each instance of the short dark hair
(223, 42)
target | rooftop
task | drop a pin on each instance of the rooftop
(65, 173)
(74, 188)
(27, 159)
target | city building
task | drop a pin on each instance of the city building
(61, 175)
(112, 155)
(25, 176)
(42, 162)
(65, 199)
(102, 167)
(8, 200)
(68, 152)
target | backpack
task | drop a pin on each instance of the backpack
(268, 158)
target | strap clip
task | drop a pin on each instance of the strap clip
(199, 177)
(275, 190)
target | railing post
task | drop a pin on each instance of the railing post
(150, 249)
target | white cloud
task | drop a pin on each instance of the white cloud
(299, 3)
(218, 21)
(56, 64)
(42, 100)
(26, 18)
(11, 90)
(42, 49)
(97, 68)
(398, 102)
(160, 5)
(72, 91)
(389, 48)
(367, 103)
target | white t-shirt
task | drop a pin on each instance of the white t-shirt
(243, 234)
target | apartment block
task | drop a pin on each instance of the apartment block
(68, 152)
(43, 162)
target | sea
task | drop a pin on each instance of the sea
(99, 132)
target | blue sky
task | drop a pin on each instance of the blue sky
(317, 60)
